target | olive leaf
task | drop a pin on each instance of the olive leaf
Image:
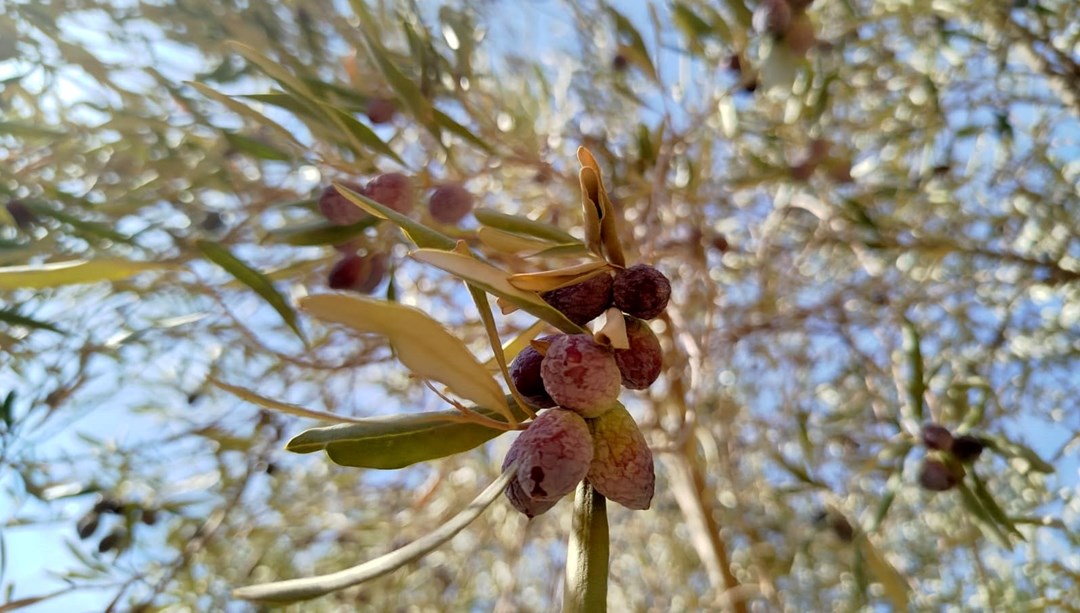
(508, 242)
(396, 441)
(72, 272)
(418, 233)
(257, 281)
(495, 282)
(592, 186)
(895, 585)
(523, 225)
(421, 343)
(548, 280)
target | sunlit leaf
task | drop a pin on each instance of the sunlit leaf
(73, 272)
(494, 281)
(508, 242)
(244, 111)
(547, 280)
(418, 233)
(420, 342)
(257, 281)
(284, 407)
(522, 225)
(895, 585)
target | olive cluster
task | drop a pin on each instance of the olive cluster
(586, 434)
(943, 469)
(448, 204)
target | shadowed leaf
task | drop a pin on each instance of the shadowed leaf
(397, 441)
(257, 281)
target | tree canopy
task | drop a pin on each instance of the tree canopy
(868, 212)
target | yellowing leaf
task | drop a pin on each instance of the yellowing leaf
(520, 342)
(494, 281)
(72, 272)
(896, 587)
(591, 209)
(420, 342)
(595, 198)
(548, 280)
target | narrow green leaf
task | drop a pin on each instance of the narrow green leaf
(245, 111)
(397, 441)
(445, 121)
(981, 517)
(508, 242)
(418, 233)
(897, 590)
(916, 386)
(1009, 449)
(639, 53)
(72, 272)
(495, 282)
(692, 25)
(284, 407)
(892, 486)
(88, 229)
(421, 343)
(254, 279)
(742, 15)
(405, 88)
(523, 225)
(13, 317)
(256, 148)
(304, 589)
(284, 101)
(587, 554)
(23, 603)
(364, 135)
(7, 410)
(992, 507)
(24, 130)
(274, 70)
(321, 233)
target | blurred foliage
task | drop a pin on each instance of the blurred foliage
(880, 232)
